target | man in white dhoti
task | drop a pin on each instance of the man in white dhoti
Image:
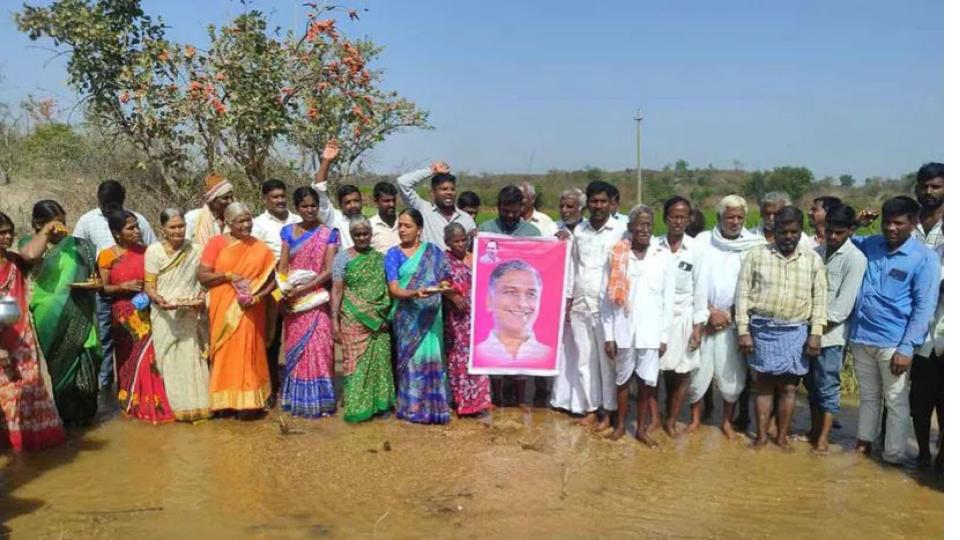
(592, 241)
(689, 309)
(724, 248)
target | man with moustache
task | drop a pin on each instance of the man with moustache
(926, 373)
(266, 227)
(348, 197)
(509, 222)
(723, 250)
(592, 241)
(567, 393)
(443, 210)
(781, 310)
(276, 215)
(384, 224)
(890, 322)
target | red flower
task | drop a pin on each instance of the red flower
(124, 96)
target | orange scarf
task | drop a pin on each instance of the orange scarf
(618, 287)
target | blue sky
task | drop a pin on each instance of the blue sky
(839, 86)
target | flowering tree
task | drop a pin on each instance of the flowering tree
(120, 63)
(234, 94)
(233, 103)
(340, 97)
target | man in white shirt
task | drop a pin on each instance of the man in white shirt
(443, 210)
(384, 223)
(637, 312)
(266, 228)
(531, 215)
(567, 391)
(93, 226)
(348, 197)
(724, 248)
(276, 216)
(689, 308)
(592, 241)
(207, 221)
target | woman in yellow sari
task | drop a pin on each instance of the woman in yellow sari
(177, 319)
(237, 269)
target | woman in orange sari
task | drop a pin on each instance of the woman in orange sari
(237, 269)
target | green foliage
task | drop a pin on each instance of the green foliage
(795, 181)
(119, 54)
(846, 180)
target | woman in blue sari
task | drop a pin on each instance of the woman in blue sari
(415, 271)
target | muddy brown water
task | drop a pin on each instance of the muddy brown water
(534, 475)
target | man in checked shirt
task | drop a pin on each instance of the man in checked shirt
(781, 309)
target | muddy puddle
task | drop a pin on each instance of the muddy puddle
(532, 475)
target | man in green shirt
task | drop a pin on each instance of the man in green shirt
(510, 210)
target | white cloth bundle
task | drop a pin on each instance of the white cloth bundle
(308, 301)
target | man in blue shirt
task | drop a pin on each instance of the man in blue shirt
(890, 320)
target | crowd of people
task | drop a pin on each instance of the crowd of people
(192, 325)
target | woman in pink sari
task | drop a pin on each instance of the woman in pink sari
(471, 393)
(304, 272)
(139, 383)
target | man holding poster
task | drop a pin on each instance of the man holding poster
(508, 222)
(518, 286)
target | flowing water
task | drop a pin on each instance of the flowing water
(523, 476)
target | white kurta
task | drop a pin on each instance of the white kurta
(689, 306)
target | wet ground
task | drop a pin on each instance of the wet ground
(534, 475)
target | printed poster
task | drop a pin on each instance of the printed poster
(518, 305)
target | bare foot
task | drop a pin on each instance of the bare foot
(603, 425)
(728, 430)
(589, 420)
(671, 429)
(691, 428)
(784, 445)
(644, 437)
(526, 409)
(759, 443)
(821, 449)
(654, 425)
(616, 434)
(863, 448)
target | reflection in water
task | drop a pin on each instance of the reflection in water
(524, 476)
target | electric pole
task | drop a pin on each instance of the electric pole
(639, 119)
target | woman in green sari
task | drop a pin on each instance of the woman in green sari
(360, 306)
(64, 316)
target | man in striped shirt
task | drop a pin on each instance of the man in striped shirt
(781, 309)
